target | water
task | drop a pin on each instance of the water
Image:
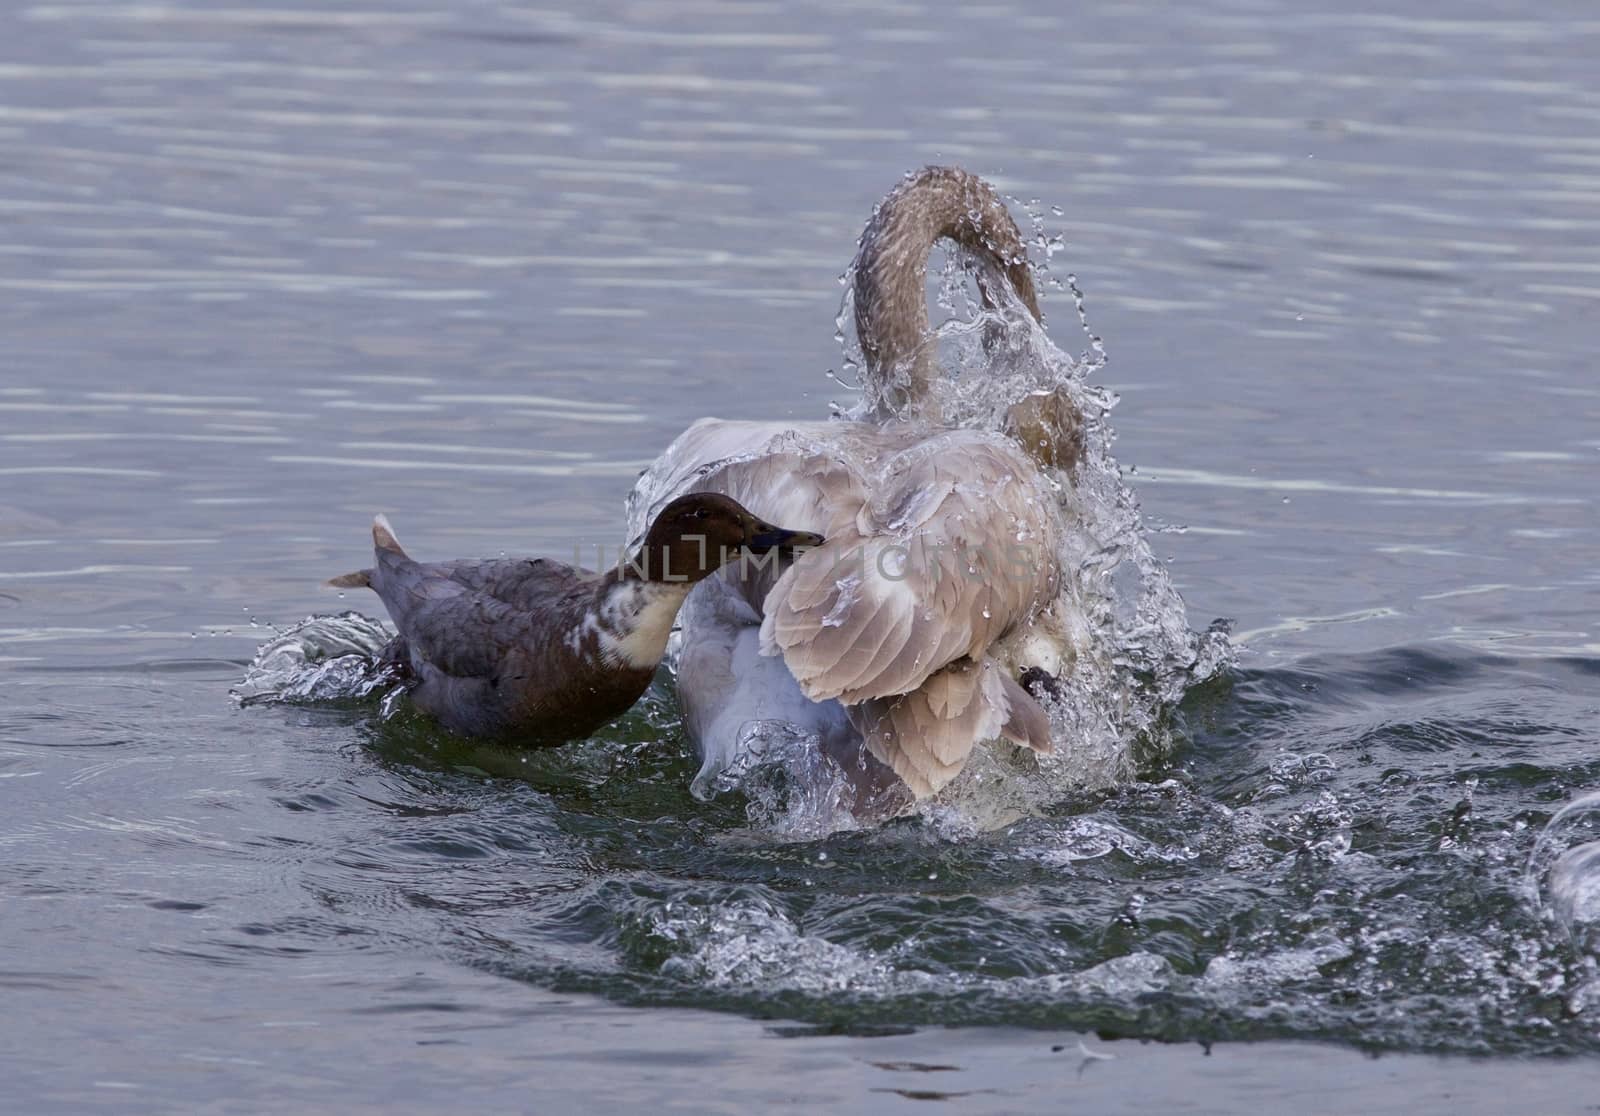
(267, 271)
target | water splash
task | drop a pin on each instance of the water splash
(752, 944)
(1563, 878)
(1162, 913)
(794, 790)
(322, 658)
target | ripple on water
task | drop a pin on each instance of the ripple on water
(434, 210)
(1256, 891)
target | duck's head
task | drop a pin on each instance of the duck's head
(696, 535)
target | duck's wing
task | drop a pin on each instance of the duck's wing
(524, 583)
(464, 617)
(957, 546)
(463, 633)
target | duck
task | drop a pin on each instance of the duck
(535, 652)
(935, 616)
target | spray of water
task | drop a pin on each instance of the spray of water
(322, 658)
(1563, 881)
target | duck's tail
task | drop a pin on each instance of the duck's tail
(891, 268)
(383, 539)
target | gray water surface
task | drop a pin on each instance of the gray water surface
(267, 270)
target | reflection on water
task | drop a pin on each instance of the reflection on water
(269, 269)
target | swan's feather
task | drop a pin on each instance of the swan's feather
(956, 547)
(926, 736)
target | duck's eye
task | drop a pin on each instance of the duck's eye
(699, 513)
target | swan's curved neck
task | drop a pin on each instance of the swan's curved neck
(891, 269)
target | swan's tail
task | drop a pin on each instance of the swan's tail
(891, 269)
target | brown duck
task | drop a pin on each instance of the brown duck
(540, 652)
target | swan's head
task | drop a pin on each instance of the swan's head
(696, 535)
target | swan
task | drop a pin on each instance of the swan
(917, 629)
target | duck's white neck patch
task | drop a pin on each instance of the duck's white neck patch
(636, 618)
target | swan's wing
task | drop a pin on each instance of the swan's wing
(927, 735)
(789, 473)
(803, 475)
(957, 546)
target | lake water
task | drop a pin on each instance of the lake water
(267, 270)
